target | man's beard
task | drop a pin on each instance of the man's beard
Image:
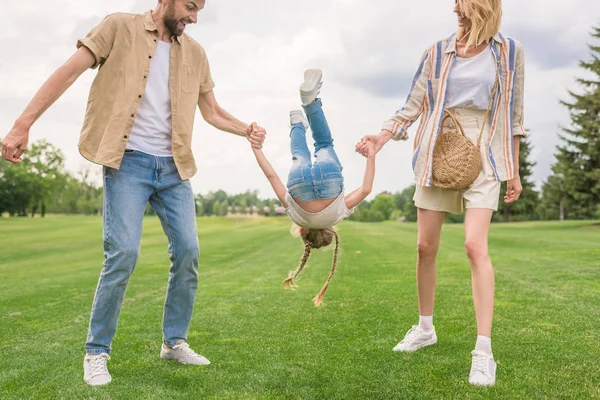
(170, 22)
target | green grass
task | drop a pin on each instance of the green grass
(269, 343)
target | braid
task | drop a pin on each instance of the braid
(319, 297)
(287, 283)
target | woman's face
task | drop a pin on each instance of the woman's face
(463, 21)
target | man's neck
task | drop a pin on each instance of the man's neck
(163, 33)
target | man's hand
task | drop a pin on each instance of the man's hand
(513, 189)
(15, 143)
(256, 135)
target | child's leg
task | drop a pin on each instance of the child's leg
(299, 148)
(318, 124)
(324, 151)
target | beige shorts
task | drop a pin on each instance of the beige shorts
(483, 193)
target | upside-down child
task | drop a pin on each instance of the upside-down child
(314, 196)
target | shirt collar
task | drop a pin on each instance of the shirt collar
(451, 46)
(150, 26)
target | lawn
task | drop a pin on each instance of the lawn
(269, 343)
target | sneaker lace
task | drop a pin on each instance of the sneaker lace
(411, 335)
(98, 365)
(480, 363)
(185, 348)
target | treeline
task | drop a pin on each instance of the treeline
(40, 183)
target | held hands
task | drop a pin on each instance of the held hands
(256, 135)
(369, 147)
(372, 143)
(513, 189)
(14, 144)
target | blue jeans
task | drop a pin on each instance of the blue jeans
(142, 178)
(323, 179)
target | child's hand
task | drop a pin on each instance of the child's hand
(256, 135)
(369, 145)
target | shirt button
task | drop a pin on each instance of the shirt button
(140, 96)
(149, 56)
(144, 76)
(125, 137)
(132, 115)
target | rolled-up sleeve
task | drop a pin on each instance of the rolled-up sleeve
(100, 40)
(518, 127)
(413, 107)
(206, 81)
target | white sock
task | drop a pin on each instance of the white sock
(426, 323)
(484, 344)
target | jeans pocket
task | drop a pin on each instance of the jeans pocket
(295, 177)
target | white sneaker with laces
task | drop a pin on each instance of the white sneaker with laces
(310, 88)
(483, 369)
(415, 339)
(297, 117)
(182, 353)
(95, 371)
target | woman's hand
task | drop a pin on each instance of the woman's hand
(377, 141)
(513, 189)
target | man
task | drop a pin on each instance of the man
(138, 125)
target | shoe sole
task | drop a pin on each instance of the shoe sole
(312, 78)
(179, 361)
(482, 385)
(98, 384)
(424, 344)
(300, 117)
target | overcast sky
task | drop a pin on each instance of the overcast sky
(258, 51)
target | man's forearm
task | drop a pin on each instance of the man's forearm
(226, 122)
(55, 86)
(50, 91)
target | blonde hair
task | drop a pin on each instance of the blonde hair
(315, 239)
(485, 16)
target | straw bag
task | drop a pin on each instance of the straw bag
(457, 160)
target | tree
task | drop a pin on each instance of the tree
(46, 163)
(524, 209)
(410, 210)
(573, 190)
(382, 207)
(216, 207)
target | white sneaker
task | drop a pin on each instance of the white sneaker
(415, 339)
(310, 88)
(297, 117)
(183, 354)
(95, 372)
(483, 369)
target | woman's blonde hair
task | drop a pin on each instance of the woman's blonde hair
(485, 16)
(314, 239)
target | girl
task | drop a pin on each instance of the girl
(314, 196)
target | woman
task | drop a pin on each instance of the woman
(458, 74)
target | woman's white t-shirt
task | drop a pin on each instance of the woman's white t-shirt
(471, 80)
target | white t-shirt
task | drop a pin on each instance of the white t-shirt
(327, 218)
(151, 131)
(471, 80)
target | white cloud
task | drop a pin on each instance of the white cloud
(258, 51)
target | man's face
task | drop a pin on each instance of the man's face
(180, 13)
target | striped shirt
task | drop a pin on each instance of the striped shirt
(427, 98)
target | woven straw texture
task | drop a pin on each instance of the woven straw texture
(456, 160)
